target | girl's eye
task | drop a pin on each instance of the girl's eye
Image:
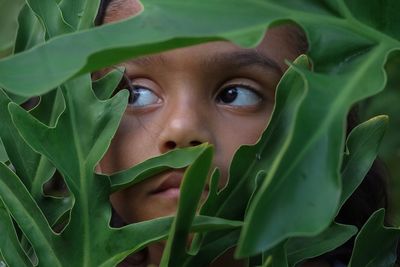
(140, 96)
(238, 95)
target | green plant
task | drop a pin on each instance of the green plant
(297, 170)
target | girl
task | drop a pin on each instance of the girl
(215, 92)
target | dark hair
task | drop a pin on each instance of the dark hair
(101, 13)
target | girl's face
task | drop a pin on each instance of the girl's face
(215, 92)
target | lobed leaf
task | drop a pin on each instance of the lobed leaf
(362, 148)
(80, 14)
(192, 188)
(29, 217)
(10, 248)
(376, 241)
(177, 159)
(105, 86)
(8, 19)
(300, 249)
(50, 16)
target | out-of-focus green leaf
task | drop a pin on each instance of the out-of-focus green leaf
(314, 151)
(18, 151)
(154, 230)
(213, 249)
(248, 161)
(10, 247)
(80, 14)
(386, 102)
(105, 86)
(299, 249)
(277, 257)
(76, 158)
(32, 168)
(362, 148)
(192, 188)
(376, 244)
(3, 153)
(28, 216)
(297, 189)
(164, 27)
(9, 11)
(381, 16)
(177, 158)
(50, 16)
(30, 30)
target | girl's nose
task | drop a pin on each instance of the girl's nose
(184, 126)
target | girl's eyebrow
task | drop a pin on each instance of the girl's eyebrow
(244, 58)
(236, 59)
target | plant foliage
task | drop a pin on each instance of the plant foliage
(284, 192)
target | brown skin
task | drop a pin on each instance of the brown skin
(215, 92)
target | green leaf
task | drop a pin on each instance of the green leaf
(80, 14)
(376, 244)
(32, 168)
(29, 217)
(10, 247)
(277, 257)
(381, 16)
(271, 210)
(76, 158)
(315, 149)
(105, 46)
(192, 188)
(3, 153)
(23, 158)
(299, 249)
(134, 237)
(213, 249)
(30, 30)
(105, 86)
(177, 158)
(362, 147)
(9, 11)
(250, 162)
(50, 16)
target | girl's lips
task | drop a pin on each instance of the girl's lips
(170, 186)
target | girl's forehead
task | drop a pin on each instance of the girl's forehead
(121, 9)
(279, 43)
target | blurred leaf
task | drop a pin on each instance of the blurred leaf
(76, 158)
(213, 249)
(105, 46)
(362, 147)
(250, 161)
(299, 249)
(3, 153)
(191, 190)
(376, 244)
(177, 158)
(105, 86)
(277, 257)
(24, 159)
(314, 152)
(8, 20)
(155, 230)
(28, 216)
(386, 102)
(32, 168)
(80, 14)
(50, 16)
(293, 187)
(9, 244)
(30, 31)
